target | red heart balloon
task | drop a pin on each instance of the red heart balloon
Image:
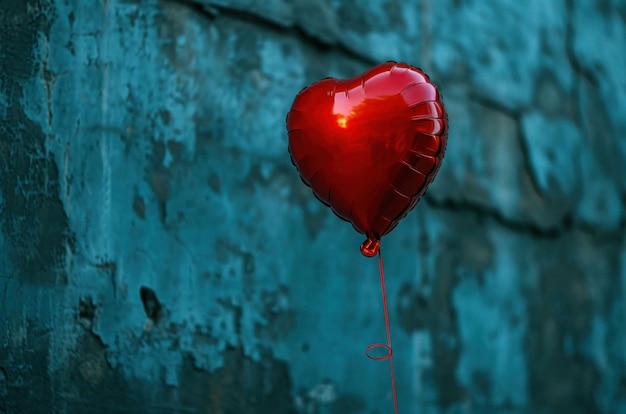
(369, 146)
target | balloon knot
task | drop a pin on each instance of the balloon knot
(369, 248)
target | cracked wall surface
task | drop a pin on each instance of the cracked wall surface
(159, 254)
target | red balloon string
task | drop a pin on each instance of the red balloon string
(387, 347)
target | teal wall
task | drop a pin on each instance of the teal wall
(159, 254)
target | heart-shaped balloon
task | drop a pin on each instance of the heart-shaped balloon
(369, 146)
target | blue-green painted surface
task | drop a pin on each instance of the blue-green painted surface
(159, 253)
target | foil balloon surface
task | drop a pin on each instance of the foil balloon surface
(369, 146)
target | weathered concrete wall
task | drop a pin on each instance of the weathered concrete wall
(159, 253)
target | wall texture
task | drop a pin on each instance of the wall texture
(159, 254)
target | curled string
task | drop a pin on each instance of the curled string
(387, 347)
